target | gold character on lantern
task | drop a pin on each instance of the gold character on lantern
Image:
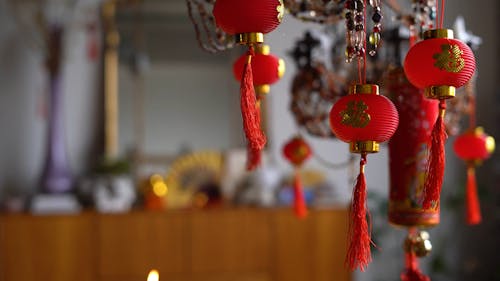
(450, 59)
(355, 114)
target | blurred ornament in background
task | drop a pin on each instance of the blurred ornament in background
(297, 151)
(155, 190)
(474, 146)
(248, 21)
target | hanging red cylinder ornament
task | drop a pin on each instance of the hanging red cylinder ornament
(473, 147)
(297, 151)
(408, 149)
(248, 21)
(363, 119)
(439, 64)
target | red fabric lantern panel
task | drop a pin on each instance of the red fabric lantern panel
(439, 60)
(364, 115)
(266, 68)
(474, 145)
(244, 16)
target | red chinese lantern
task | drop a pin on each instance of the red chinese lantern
(363, 119)
(474, 146)
(267, 69)
(407, 163)
(439, 64)
(297, 151)
(248, 21)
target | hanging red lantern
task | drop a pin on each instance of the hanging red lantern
(248, 21)
(266, 67)
(439, 64)
(297, 151)
(474, 146)
(363, 119)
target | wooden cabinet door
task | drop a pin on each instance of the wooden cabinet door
(55, 248)
(130, 245)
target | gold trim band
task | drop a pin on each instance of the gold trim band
(438, 33)
(363, 89)
(263, 49)
(249, 38)
(364, 147)
(440, 92)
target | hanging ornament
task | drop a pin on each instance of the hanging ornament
(248, 21)
(439, 64)
(297, 151)
(473, 146)
(407, 162)
(267, 70)
(363, 119)
(416, 244)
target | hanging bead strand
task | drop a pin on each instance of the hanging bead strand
(355, 30)
(377, 26)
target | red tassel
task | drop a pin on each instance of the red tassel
(473, 211)
(359, 253)
(436, 161)
(412, 272)
(299, 203)
(251, 116)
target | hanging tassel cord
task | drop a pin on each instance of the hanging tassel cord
(299, 202)
(358, 252)
(254, 154)
(436, 161)
(251, 115)
(412, 271)
(472, 206)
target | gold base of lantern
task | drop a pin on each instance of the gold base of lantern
(364, 147)
(262, 89)
(249, 38)
(440, 92)
(363, 89)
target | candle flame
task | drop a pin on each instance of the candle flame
(153, 275)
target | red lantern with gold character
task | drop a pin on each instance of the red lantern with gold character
(297, 151)
(439, 64)
(248, 21)
(363, 119)
(474, 146)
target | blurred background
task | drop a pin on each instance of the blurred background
(114, 120)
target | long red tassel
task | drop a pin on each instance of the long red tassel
(299, 203)
(251, 115)
(473, 211)
(436, 161)
(254, 154)
(412, 272)
(359, 253)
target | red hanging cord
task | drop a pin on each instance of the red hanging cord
(442, 14)
(359, 252)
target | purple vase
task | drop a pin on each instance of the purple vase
(56, 177)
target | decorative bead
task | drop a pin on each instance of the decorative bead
(374, 38)
(359, 18)
(350, 25)
(359, 27)
(348, 15)
(359, 6)
(376, 28)
(376, 17)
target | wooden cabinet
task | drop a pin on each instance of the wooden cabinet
(210, 245)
